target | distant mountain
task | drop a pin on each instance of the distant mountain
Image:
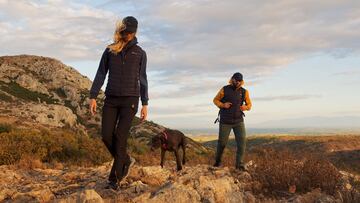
(313, 122)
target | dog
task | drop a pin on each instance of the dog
(170, 140)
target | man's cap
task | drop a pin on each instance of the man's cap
(237, 76)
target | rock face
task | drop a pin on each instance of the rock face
(200, 183)
(39, 90)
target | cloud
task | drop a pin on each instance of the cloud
(220, 36)
(177, 111)
(347, 73)
(59, 29)
(286, 97)
(205, 39)
(201, 38)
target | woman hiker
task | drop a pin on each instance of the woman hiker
(232, 100)
(127, 81)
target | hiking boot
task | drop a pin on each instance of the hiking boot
(217, 164)
(127, 168)
(241, 168)
(112, 185)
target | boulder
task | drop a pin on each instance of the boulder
(85, 196)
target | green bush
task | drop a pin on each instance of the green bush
(5, 97)
(136, 147)
(5, 127)
(20, 92)
(60, 92)
(49, 146)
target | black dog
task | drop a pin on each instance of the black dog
(170, 140)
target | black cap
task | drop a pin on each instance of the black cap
(237, 76)
(130, 24)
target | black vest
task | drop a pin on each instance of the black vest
(233, 114)
(124, 71)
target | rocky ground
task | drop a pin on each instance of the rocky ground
(201, 183)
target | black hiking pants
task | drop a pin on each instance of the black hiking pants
(117, 115)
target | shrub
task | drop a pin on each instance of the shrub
(60, 92)
(30, 162)
(279, 170)
(49, 146)
(20, 92)
(5, 97)
(5, 127)
(137, 147)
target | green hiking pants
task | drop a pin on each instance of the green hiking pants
(240, 133)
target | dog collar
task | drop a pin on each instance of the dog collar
(165, 136)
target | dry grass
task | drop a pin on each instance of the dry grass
(27, 146)
(286, 171)
(204, 138)
(342, 150)
(30, 162)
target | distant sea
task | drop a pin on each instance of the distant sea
(277, 131)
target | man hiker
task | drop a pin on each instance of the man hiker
(127, 81)
(232, 100)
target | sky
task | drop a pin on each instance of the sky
(300, 59)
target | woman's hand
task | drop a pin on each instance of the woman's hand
(92, 106)
(143, 113)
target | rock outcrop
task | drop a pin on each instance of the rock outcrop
(200, 183)
(38, 90)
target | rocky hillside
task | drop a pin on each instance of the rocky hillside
(200, 183)
(40, 91)
(37, 90)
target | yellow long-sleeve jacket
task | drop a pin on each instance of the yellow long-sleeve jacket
(220, 95)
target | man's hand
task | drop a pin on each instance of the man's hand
(92, 106)
(143, 113)
(243, 108)
(227, 105)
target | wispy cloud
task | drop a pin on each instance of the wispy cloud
(286, 97)
(202, 37)
(61, 29)
(347, 73)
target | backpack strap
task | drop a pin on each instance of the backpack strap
(243, 92)
(218, 118)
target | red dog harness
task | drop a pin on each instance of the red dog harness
(164, 144)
